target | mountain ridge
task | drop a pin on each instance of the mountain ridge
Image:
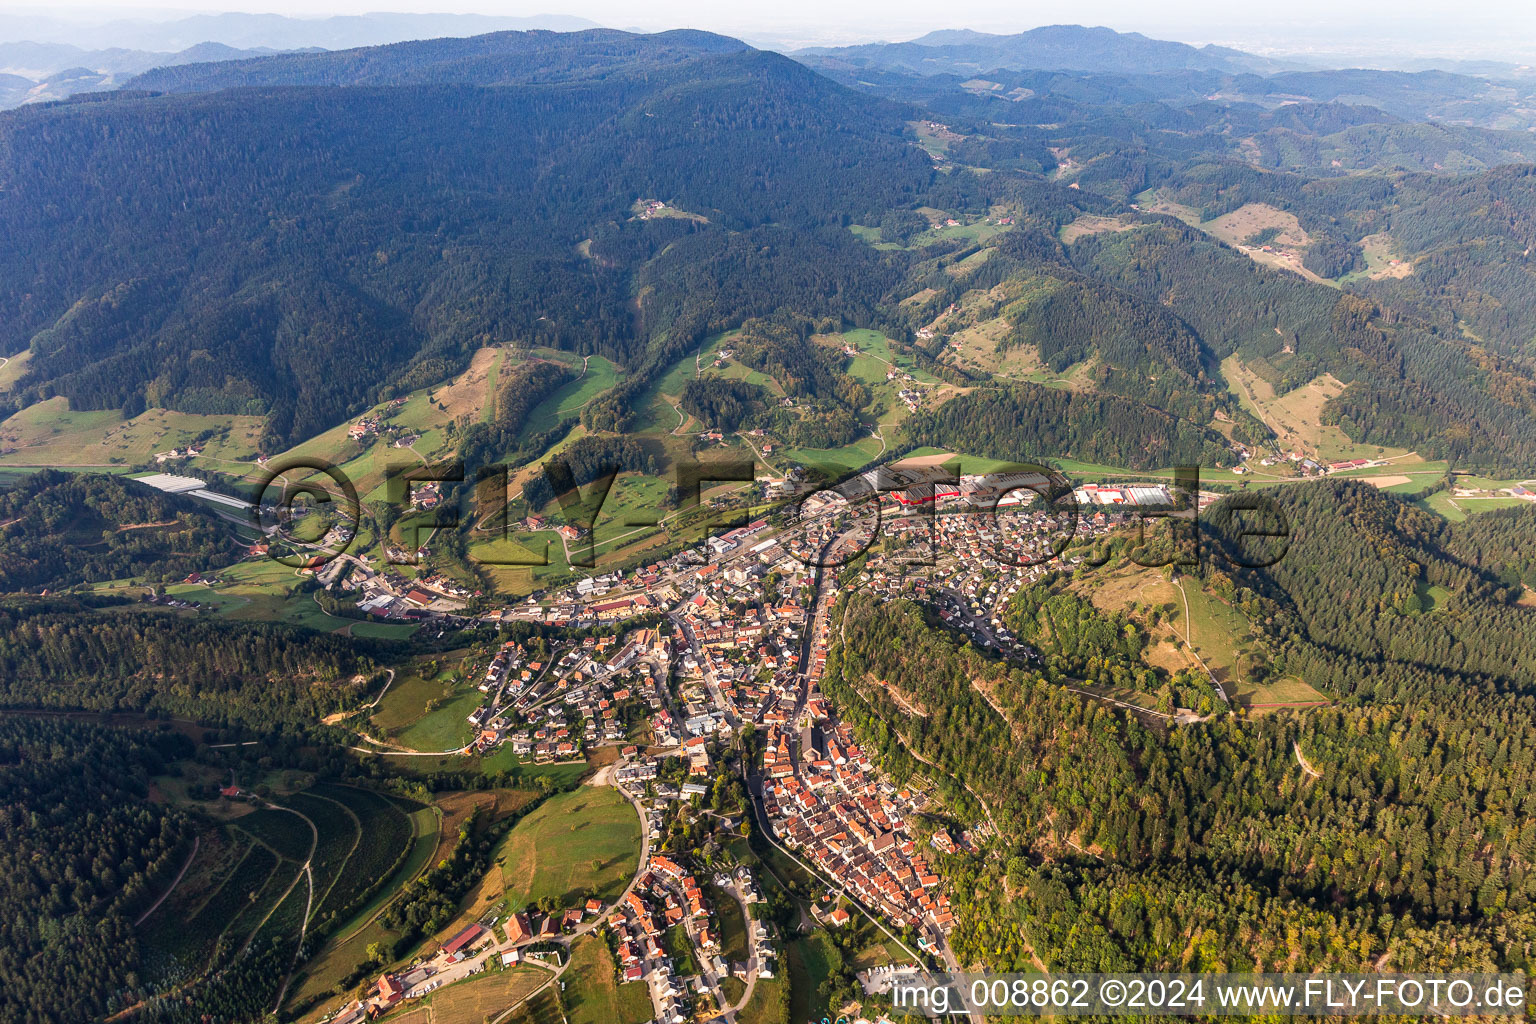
(1047, 48)
(499, 58)
(277, 31)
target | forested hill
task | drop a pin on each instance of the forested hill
(293, 251)
(499, 58)
(1393, 827)
(59, 529)
(1407, 606)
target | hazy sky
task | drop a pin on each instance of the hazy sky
(1493, 27)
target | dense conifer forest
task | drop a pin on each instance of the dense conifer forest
(61, 529)
(64, 654)
(1419, 811)
(84, 852)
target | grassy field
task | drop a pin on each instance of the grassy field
(384, 630)
(484, 997)
(593, 994)
(585, 841)
(1214, 629)
(878, 347)
(435, 833)
(732, 924)
(810, 961)
(769, 1003)
(835, 460)
(49, 433)
(1381, 260)
(1218, 630)
(975, 348)
(1093, 224)
(1282, 690)
(1434, 596)
(408, 696)
(261, 590)
(680, 951)
(446, 727)
(1237, 227)
(523, 562)
(1296, 416)
(569, 399)
(426, 413)
(657, 406)
(12, 369)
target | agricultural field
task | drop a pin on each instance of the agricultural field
(543, 1008)
(1213, 629)
(349, 938)
(871, 233)
(740, 371)
(287, 833)
(416, 684)
(979, 230)
(875, 948)
(1242, 224)
(50, 434)
(598, 376)
(445, 727)
(483, 997)
(385, 837)
(472, 392)
(583, 842)
(1381, 260)
(1093, 224)
(593, 994)
(227, 875)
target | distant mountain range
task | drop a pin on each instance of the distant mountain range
(272, 31)
(35, 72)
(1050, 48)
